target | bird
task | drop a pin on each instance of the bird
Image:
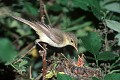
(52, 36)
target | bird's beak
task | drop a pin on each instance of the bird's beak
(76, 48)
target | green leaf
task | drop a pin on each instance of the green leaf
(64, 77)
(24, 62)
(113, 76)
(115, 7)
(106, 56)
(95, 8)
(63, 2)
(29, 8)
(113, 25)
(87, 4)
(55, 7)
(81, 33)
(118, 36)
(97, 13)
(94, 3)
(78, 26)
(7, 50)
(82, 4)
(94, 78)
(92, 42)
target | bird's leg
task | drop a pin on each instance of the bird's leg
(43, 58)
(37, 42)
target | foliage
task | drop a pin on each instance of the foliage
(7, 51)
(63, 77)
(96, 23)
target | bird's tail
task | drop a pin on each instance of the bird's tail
(29, 23)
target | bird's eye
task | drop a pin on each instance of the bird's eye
(72, 41)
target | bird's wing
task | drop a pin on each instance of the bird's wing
(33, 24)
(54, 34)
(57, 35)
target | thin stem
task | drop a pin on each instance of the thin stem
(24, 54)
(42, 11)
(96, 60)
(44, 65)
(43, 60)
(14, 67)
(97, 63)
(115, 71)
(112, 66)
(47, 15)
(106, 40)
(66, 58)
(30, 72)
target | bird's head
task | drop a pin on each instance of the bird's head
(72, 40)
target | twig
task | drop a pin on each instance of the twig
(43, 58)
(42, 11)
(38, 77)
(106, 40)
(23, 55)
(47, 15)
(113, 65)
(44, 64)
(58, 20)
(66, 58)
(30, 72)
